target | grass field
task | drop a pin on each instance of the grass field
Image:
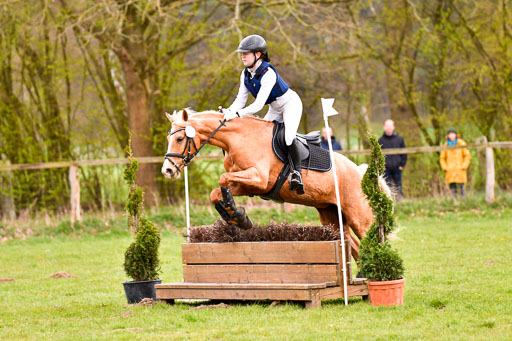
(458, 274)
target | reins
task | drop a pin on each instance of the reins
(187, 155)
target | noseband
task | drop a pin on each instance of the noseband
(187, 155)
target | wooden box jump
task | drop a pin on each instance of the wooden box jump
(307, 271)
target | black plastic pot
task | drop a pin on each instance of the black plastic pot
(136, 291)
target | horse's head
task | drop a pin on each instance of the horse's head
(182, 143)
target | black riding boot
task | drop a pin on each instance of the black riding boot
(296, 183)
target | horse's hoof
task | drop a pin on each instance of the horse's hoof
(242, 220)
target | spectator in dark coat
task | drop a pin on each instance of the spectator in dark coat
(395, 163)
(325, 144)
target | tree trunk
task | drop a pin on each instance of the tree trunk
(139, 123)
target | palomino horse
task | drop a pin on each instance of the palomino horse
(252, 168)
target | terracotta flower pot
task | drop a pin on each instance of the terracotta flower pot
(387, 293)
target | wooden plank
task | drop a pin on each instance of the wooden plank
(159, 159)
(428, 149)
(95, 162)
(311, 293)
(348, 250)
(262, 273)
(323, 252)
(239, 294)
(358, 281)
(337, 291)
(236, 286)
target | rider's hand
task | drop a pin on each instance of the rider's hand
(229, 115)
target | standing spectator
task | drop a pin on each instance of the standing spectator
(395, 163)
(455, 163)
(325, 144)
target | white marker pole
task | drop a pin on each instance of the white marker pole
(330, 111)
(190, 133)
(187, 210)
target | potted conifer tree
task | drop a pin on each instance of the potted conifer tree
(378, 261)
(141, 261)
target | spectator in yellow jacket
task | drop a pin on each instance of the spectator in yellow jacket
(455, 163)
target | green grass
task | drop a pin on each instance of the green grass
(458, 271)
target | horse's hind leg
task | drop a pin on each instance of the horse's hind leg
(329, 215)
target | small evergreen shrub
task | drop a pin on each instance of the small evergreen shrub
(378, 261)
(141, 261)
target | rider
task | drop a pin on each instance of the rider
(260, 79)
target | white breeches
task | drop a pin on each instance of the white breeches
(287, 109)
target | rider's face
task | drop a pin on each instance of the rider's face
(249, 57)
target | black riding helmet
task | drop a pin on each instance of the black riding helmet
(254, 43)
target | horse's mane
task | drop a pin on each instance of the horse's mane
(194, 113)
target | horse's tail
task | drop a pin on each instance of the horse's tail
(382, 182)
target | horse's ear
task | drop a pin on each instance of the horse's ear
(185, 115)
(169, 117)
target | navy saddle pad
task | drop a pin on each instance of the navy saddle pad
(318, 159)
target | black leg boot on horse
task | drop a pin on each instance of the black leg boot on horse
(230, 213)
(294, 157)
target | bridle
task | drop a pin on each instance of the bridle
(187, 155)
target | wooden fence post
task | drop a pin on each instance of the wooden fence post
(489, 168)
(74, 185)
(8, 206)
(489, 174)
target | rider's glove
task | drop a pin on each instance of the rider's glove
(229, 114)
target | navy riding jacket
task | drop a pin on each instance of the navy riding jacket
(253, 84)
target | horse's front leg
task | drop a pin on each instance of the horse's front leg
(250, 177)
(239, 182)
(232, 184)
(216, 194)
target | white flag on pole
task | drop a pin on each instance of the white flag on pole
(327, 108)
(327, 104)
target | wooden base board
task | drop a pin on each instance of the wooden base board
(261, 273)
(323, 252)
(311, 294)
